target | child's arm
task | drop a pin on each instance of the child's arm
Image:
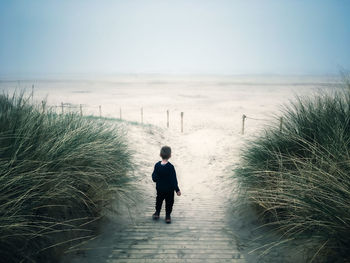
(176, 187)
(154, 175)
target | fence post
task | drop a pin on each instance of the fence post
(81, 110)
(120, 113)
(281, 124)
(141, 115)
(62, 106)
(43, 105)
(167, 118)
(99, 108)
(243, 120)
(182, 122)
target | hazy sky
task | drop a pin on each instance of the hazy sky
(178, 36)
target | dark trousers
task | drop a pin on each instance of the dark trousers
(169, 201)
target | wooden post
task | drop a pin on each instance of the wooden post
(281, 124)
(167, 118)
(120, 113)
(141, 115)
(43, 105)
(99, 108)
(81, 110)
(243, 120)
(182, 122)
(62, 106)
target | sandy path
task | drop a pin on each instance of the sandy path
(200, 231)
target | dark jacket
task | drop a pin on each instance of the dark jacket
(165, 177)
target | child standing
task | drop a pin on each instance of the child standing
(164, 176)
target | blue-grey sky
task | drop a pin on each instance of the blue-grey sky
(41, 37)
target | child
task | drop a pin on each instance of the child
(166, 183)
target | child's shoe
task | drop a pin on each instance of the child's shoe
(167, 219)
(155, 216)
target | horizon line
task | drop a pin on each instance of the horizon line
(94, 75)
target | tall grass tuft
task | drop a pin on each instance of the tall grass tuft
(57, 174)
(299, 179)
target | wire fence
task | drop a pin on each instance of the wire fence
(69, 107)
(245, 117)
(81, 109)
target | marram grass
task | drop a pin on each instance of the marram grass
(57, 174)
(299, 179)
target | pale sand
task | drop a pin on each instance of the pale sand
(204, 155)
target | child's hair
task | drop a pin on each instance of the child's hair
(165, 152)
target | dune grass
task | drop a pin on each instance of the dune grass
(57, 175)
(299, 179)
